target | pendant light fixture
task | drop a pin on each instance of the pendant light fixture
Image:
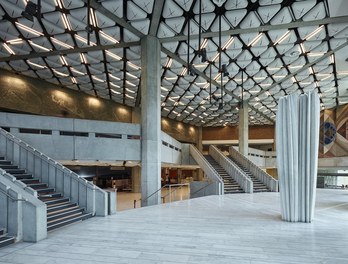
(202, 52)
(89, 27)
(221, 104)
(190, 69)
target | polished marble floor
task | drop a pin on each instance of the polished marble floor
(239, 228)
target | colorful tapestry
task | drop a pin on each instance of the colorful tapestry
(334, 132)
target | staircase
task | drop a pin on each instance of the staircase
(60, 211)
(230, 185)
(4, 239)
(258, 185)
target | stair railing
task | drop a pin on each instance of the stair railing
(71, 185)
(148, 197)
(235, 172)
(259, 174)
(23, 214)
(207, 168)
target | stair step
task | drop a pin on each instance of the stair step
(30, 181)
(62, 210)
(63, 214)
(15, 171)
(234, 191)
(51, 197)
(6, 240)
(60, 206)
(67, 221)
(45, 190)
(5, 162)
(2, 231)
(37, 186)
(8, 166)
(53, 202)
(21, 176)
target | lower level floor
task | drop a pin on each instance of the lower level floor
(236, 228)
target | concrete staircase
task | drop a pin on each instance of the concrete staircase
(258, 185)
(60, 211)
(230, 185)
(4, 239)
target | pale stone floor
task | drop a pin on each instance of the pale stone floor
(239, 228)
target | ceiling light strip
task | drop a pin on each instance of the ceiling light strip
(28, 29)
(36, 65)
(66, 22)
(39, 46)
(112, 55)
(15, 41)
(255, 40)
(311, 35)
(61, 43)
(282, 38)
(108, 37)
(9, 50)
(82, 39)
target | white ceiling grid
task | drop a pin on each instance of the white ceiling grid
(263, 65)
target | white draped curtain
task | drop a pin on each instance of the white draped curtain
(297, 143)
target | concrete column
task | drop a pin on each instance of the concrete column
(199, 139)
(243, 128)
(150, 120)
(200, 172)
(136, 180)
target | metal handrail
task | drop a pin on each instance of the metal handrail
(13, 199)
(135, 201)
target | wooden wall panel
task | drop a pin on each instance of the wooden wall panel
(231, 133)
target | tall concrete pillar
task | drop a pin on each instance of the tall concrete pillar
(136, 180)
(243, 129)
(150, 120)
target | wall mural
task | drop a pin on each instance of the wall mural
(334, 132)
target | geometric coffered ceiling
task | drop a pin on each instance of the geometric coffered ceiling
(270, 48)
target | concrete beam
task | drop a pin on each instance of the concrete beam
(69, 51)
(156, 16)
(267, 27)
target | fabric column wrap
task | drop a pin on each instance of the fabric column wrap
(297, 142)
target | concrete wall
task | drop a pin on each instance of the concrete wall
(23, 94)
(200, 189)
(88, 139)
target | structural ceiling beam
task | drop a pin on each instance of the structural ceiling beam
(156, 16)
(68, 51)
(267, 27)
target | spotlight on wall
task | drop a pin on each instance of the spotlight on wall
(30, 11)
